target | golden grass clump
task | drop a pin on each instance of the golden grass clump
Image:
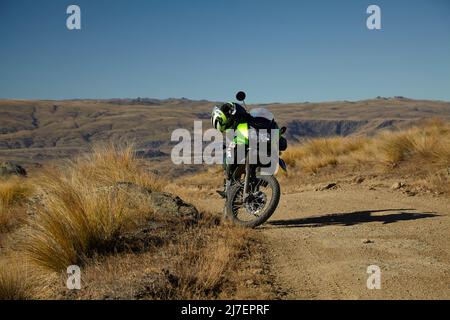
(14, 283)
(439, 181)
(110, 163)
(83, 210)
(205, 262)
(314, 154)
(13, 191)
(88, 206)
(428, 142)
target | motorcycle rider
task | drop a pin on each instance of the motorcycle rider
(228, 117)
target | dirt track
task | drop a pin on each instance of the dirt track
(321, 243)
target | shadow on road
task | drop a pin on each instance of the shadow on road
(352, 218)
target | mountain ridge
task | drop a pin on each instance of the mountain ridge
(39, 130)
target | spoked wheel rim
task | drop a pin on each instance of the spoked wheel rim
(256, 203)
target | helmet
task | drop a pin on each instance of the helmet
(221, 117)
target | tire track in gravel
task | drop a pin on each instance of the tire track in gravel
(321, 243)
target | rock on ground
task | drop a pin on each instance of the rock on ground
(9, 168)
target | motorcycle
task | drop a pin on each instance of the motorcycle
(253, 197)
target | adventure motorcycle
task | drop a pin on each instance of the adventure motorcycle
(252, 196)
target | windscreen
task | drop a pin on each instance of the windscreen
(262, 112)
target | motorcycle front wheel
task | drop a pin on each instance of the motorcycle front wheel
(258, 207)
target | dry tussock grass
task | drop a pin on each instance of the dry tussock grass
(207, 262)
(82, 212)
(80, 216)
(438, 181)
(317, 153)
(13, 191)
(200, 264)
(429, 142)
(108, 164)
(15, 283)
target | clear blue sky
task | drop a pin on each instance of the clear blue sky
(275, 50)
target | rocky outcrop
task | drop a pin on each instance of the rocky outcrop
(9, 168)
(322, 128)
(166, 203)
(162, 203)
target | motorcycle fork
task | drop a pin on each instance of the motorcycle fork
(249, 173)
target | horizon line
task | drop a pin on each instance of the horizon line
(207, 100)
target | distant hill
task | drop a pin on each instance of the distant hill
(36, 131)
